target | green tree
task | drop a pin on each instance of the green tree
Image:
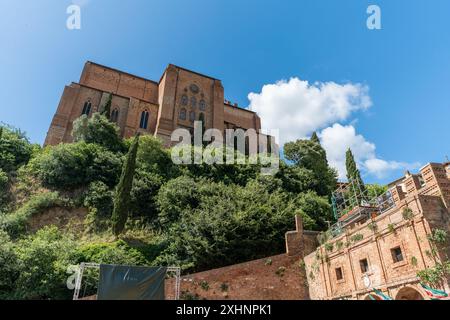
(315, 138)
(310, 155)
(43, 261)
(99, 130)
(375, 190)
(176, 196)
(143, 194)
(75, 165)
(9, 266)
(123, 189)
(246, 223)
(99, 197)
(15, 149)
(153, 157)
(354, 177)
(4, 190)
(106, 110)
(316, 208)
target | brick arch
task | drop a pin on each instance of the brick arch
(410, 293)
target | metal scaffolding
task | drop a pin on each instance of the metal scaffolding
(351, 204)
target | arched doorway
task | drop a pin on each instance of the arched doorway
(372, 296)
(409, 293)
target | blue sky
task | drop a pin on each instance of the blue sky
(248, 44)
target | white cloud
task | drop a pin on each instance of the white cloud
(381, 168)
(297, 108)
(338, 138)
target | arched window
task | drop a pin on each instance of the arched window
(202, 105)
(115, 115)
(192, 116)
(183, 114)
(184, 100)
(193, 102)
(87, 108)
(144, 120)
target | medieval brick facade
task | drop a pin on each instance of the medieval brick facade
(149, 107)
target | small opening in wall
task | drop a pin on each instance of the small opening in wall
(364, 264)
(339, 274)
(397, 254)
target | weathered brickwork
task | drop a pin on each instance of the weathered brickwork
(387, 251)
(174, 102)
(280, 277)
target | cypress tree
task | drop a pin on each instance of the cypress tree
(123, 189)
(315, 138)
(353, 175)
(1, 132)
(106, 111)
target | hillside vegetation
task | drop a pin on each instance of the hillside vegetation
(197, 217)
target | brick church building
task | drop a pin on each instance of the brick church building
(151, 107)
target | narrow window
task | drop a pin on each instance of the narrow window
(364, 265)
(202, 105)
(115, 115)
(144, 120)
(339, 275)
(192, 116)
(183, 114)
(397, 254)
(184, 100)
(86, 108)
(193, 102)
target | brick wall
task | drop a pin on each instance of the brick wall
(279, 277)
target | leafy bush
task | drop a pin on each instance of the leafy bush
(436, 275)
(153, 157)
(315, 207)
(15, 149)
(375, 190)
(146, 186)
(100, 197)
(438, 236)
(391, 227)
(118, 252)
(176, 196)
(373, 226)
(44, 259)
(224, 287)
(71, 166)
(98, 130)
(357, 237)
(9, 266)
(246, 223)
(15, 224)
(329, 246)
(4, 192)
(407, 214)
(339, 245)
